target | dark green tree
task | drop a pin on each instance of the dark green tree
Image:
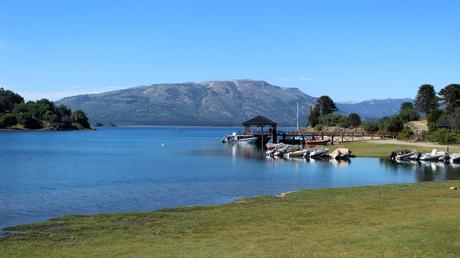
(433, 119)
(326, 105)
(394, 124)
(408, 112)
(79, 117)
(7, 120)
(371, 127)
(8, 99)
(426, 99)
(455, 120)
(450, 96)
(314, 115)
(353, 120)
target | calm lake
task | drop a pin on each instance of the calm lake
(49, 174)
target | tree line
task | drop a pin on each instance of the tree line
(323, 113)
(40, 114)
(437, 108)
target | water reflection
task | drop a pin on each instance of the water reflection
(424, 170)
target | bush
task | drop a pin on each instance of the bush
(334, 120)
(319, 127)
(371, 127)
(80, 117)
(354, 120)
(442, 136)
(405, 133)
(433, 119)
(394, 124)
(28, 121)
(8, 120)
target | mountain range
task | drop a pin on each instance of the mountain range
(215, 103)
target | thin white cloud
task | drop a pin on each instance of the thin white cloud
(305, 79)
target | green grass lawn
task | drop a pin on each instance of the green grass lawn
(410, 220)
(370, 149)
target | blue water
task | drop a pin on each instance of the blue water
(49, 174)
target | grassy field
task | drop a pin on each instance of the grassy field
(410, 220)
(372, 149)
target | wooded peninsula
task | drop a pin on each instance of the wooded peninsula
(16, 114)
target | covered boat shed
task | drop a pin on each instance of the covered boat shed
(261, 122)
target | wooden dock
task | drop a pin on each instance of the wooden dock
(301, 136)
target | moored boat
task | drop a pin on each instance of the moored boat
(317, 142)
(318, 153)
(239, 138)
(433, 156)
(298, 154)
(455, 158)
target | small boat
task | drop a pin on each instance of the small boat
(415, 156)
(318, 153)
(455, 158)
(400, 154)
(433, 156)
(341, 153)
(238, 138)
(287, 148)
(297, 154)
(404, 155)
(318, 142)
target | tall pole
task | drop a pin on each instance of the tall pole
(297, 116)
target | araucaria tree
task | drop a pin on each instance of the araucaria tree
(426, 99)
(353, 120)
(326, 105)
(450, 96)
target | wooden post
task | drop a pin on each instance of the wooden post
(332, 139)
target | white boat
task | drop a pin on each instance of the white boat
(319, 153)
(415, 156)
(455, 158)
(404, 155)
(284, 149)
(433, 156)
(239, 138)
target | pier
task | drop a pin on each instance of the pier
(302, 136)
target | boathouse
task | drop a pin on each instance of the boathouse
(261, 122)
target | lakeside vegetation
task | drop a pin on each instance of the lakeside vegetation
(15, 113)
(383, 149)
(407, 220)
(441, 110)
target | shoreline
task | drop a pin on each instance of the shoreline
(322, 221)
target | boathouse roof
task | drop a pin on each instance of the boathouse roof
(445, 123)
(259, 121)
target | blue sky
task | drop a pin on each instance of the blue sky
(350, 50)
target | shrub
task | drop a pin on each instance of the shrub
(405, 133)
(7, 120)
(394, 124)
(319, 127)
(28, 121)
(354, 120)
(442, 136)
(371, 127)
